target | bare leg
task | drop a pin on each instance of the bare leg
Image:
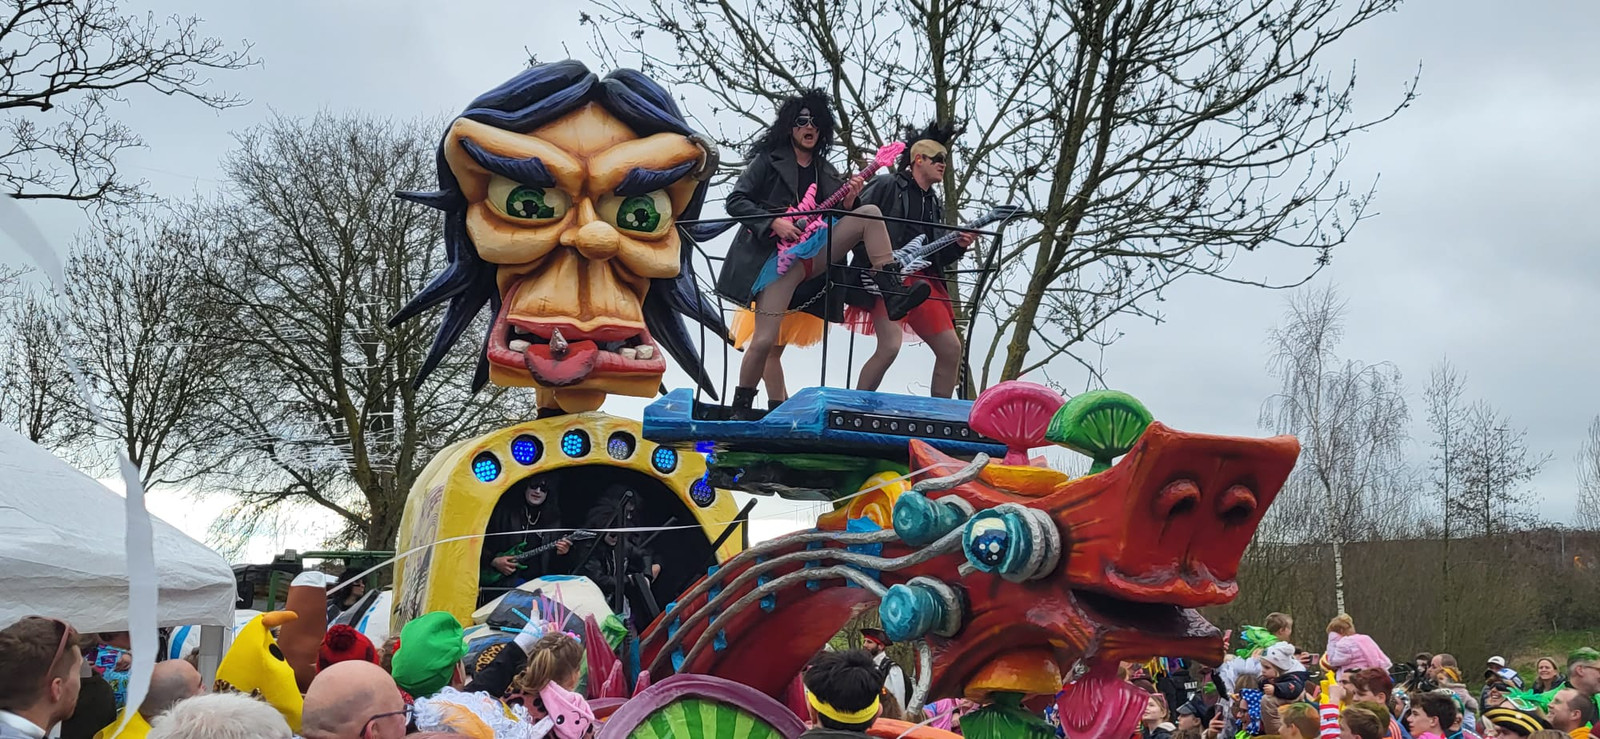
(848, 231)
(946, 346)
(777, 391)
(774, 300)
(770, 307)
(889, 335)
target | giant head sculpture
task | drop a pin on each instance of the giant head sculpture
(562, 193)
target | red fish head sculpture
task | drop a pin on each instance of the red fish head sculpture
(1057, 574)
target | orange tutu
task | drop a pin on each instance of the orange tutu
(798, 329)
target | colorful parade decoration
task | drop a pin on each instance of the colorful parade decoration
(1017, 585)
(561, 191)
(450, 504)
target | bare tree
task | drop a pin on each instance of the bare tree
(145, 335)
(1149, 139)
(1496, 468)
(1480, 465)
(37, 396)
(1351, 481)
(310, 254)
(1589, 478)
(63, 63)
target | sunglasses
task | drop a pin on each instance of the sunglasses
(801, 121)
(402, 712)
(936, 159)
(67, 634)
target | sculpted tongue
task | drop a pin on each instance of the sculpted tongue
(561, 363)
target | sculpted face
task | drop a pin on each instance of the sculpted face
(577, 215)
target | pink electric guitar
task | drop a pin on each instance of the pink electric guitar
(808, 226)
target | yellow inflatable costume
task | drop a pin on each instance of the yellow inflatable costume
(254, 665)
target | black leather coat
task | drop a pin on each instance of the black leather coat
(769, 185)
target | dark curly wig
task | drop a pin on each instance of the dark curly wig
(943, 132)
(777, 134)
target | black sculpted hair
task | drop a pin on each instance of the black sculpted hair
(942, 132)
(778, 134)
(848, 681)
(537, 96)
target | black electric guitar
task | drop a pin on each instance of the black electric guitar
(522, 559)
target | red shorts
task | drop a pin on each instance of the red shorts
(931, 318)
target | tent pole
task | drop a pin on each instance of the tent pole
(211, 647)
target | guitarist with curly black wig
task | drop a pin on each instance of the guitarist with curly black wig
(790, 158)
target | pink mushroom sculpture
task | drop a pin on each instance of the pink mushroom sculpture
(1017, 414)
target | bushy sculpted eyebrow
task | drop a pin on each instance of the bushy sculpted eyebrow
(530, 171)
(640, 180)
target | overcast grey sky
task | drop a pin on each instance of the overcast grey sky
(1479, 250)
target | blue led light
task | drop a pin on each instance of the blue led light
(525, 449)
(620, 445)
(575, 443)
(665, 459)
(702, 493)
(485, 467)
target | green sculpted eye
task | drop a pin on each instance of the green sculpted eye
(638, 213)
(519, 202)
(528, 202)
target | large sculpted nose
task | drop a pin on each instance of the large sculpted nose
(1176, 515)
(593, 238)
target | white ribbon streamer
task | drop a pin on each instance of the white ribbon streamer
(138, 534)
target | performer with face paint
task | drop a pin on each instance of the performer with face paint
(528, 506)
(909, 193)
(789, 158)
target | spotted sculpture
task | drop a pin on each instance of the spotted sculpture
(561, 192)
(1010, 579)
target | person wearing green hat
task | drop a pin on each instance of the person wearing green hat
(429, 655)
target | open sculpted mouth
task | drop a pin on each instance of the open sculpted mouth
(560, 354)
(1026, 655)
(1193, 586)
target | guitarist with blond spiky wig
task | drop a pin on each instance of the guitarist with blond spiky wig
(909, 193)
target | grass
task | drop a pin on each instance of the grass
(1553, 644)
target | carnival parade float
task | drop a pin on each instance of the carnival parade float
(572, 203)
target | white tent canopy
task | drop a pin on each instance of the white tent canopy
(62, 552)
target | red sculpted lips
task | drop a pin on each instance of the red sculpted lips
(560, 354)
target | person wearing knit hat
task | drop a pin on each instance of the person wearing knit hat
(1281, 656)
(1511, 722)
(429, 656)
(343, 643)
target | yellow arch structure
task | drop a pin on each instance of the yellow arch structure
(455, 494)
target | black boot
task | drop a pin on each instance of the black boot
(898, 298)
(743, 399)
(772, 405)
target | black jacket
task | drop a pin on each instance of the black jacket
(768, 186)
(898, 196)
(511, 514)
